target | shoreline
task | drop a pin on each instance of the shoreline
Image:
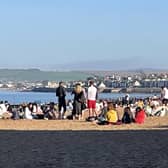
(106, 90)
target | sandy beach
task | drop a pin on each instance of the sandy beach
(150, 123)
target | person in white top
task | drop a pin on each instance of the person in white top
(28, 111)
(4, 113)
(3, 108)
(164, 95)
(91, 97)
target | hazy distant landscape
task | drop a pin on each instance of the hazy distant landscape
(117, 64)
(38, 75)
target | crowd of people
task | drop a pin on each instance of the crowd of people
(85, 101)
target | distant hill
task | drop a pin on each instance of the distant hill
(38, 75)
(121, 64)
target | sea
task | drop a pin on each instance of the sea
(16, 97)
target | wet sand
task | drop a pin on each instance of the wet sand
(78, 144)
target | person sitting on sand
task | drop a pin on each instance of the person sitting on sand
(4, 113)
(139, 115)
(148, 109)
(50, 112)
(28, 111)
(140, 103)
(120, 111)
(127, 117)
(160, 111)
(111, 115)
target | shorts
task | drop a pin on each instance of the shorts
(91, 104)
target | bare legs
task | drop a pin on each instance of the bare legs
(92, 112)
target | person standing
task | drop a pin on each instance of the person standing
(92, 96)
(79, 99)
(164, 95)
(61, 94)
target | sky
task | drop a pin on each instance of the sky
(84, 34)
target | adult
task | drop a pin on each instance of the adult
(4, 113)
(29, 111)
(91, 97)
(164, 95)
(111, 115)
(79, 99)
(140, 115)
(127, 117)
(127, 99)
(61, 94)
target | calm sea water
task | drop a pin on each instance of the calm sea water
(19, 97)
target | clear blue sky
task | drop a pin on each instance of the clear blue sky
(84, 34)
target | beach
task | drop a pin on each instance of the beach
(25, 125)
(66, 144)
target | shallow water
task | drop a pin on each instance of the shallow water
(19, 97)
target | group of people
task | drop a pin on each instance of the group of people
(117, 115)
(132, 110)
(85, 101)
(28, 111)
(81, 100)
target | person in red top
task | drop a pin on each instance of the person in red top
(140, 115)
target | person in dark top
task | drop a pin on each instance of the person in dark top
(79, 99)
(61, 94)
(127, 117)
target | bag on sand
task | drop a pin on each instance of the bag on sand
(83, 106)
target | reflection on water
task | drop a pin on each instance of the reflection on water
(20, 97)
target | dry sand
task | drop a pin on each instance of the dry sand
(150, 123)
(79, 144)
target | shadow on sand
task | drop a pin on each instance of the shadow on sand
(163, 126)
(78, 149)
